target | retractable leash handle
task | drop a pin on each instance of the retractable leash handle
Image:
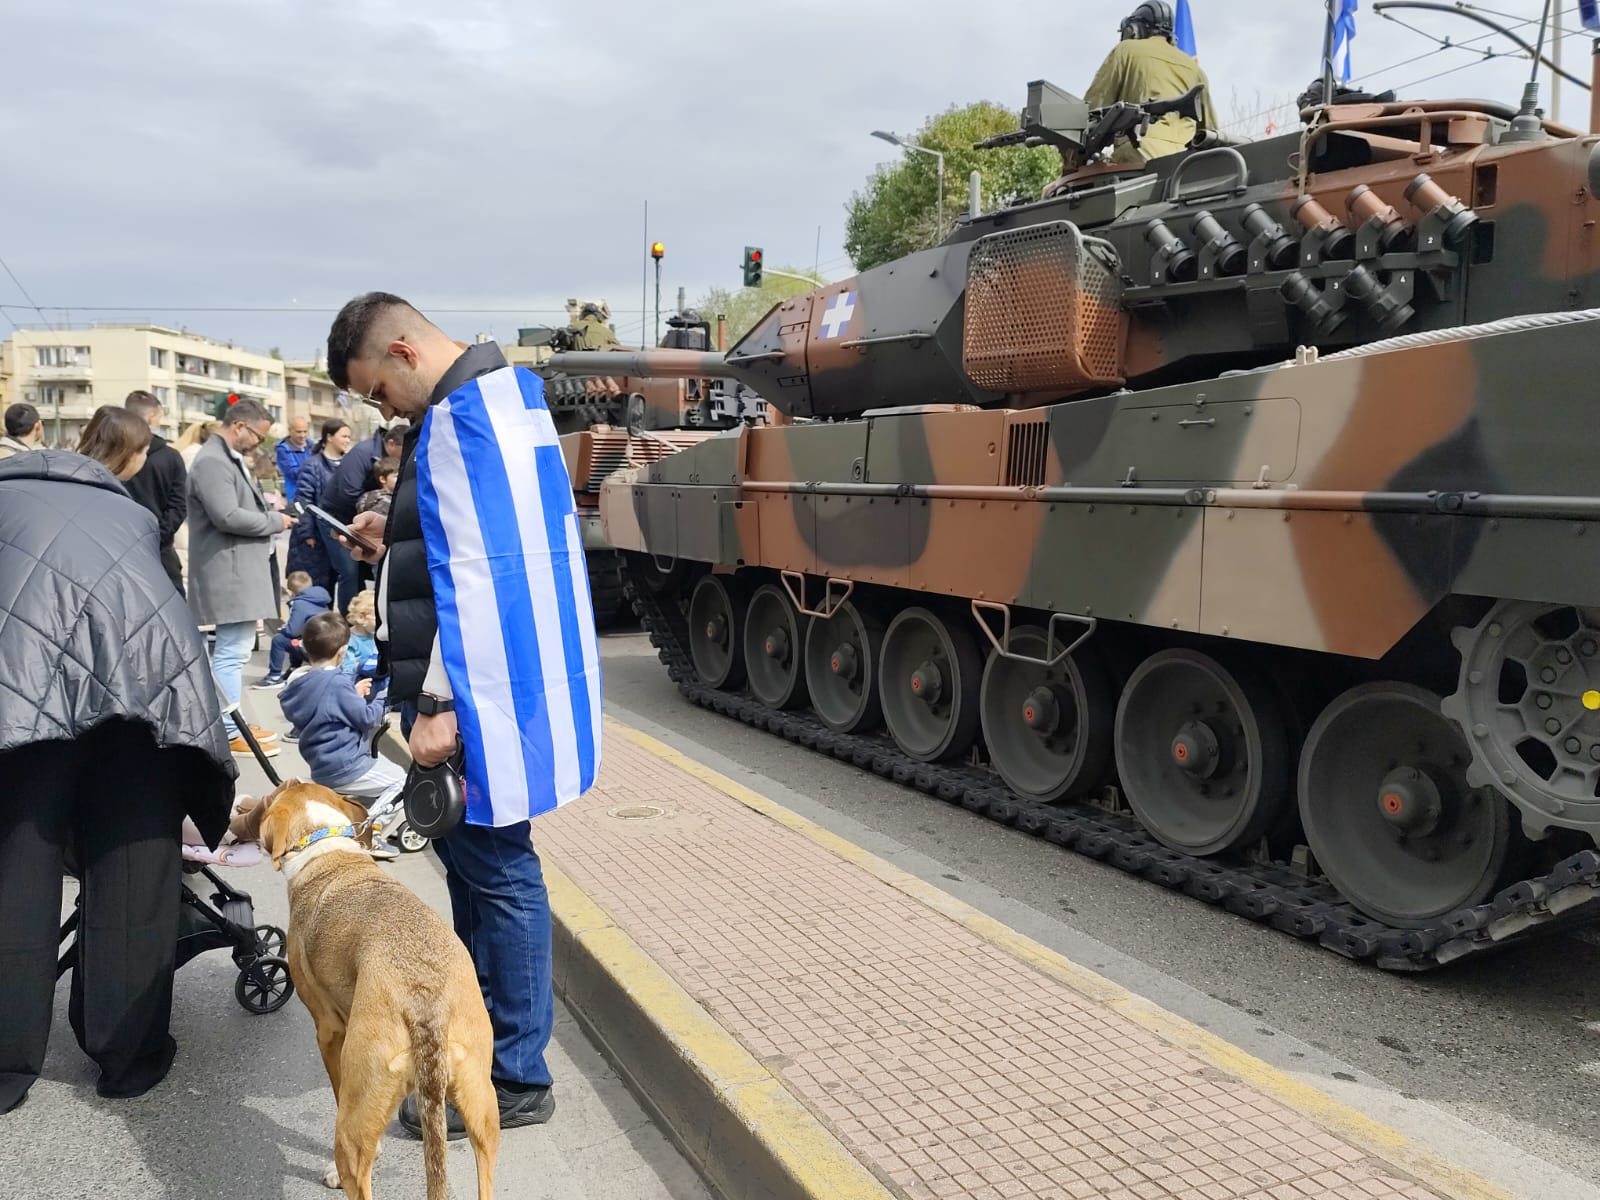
(435, 798)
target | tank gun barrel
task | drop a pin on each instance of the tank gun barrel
(644, 364)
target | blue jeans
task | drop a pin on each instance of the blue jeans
(228, 656)
(278, 652)
(502, 916)
(348, 571)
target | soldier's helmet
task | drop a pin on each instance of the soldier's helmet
(591, 309)
(1150, 19)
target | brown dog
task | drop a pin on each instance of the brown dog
(390, 987)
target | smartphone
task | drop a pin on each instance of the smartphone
(343, 529)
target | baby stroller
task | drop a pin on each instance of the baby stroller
(228, 921)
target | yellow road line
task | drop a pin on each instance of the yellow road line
(1337, 1117)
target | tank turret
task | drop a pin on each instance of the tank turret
(1221, 257)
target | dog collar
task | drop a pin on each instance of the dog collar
(317, 835)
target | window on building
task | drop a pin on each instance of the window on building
(163, 394)
(47, 394)
(81, 353)
(158, 358)
(48, 356)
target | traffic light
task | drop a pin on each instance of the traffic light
(752, 266)
(219, 409)
(657, 250)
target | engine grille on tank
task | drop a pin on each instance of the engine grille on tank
(1043, 312)
(1027, 444)
(608, 450)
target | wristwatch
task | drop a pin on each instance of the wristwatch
(432, 706)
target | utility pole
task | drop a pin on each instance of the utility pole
(644, 280)
(680, 299)
(657, 250)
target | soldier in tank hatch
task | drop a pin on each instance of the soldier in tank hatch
(1146, 66)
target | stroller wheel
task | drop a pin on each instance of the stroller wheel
(270, 941)
(410, 840)
(264, 986)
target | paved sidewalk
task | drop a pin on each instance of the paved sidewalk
(948, 1061)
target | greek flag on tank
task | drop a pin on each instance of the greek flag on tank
(516, 629)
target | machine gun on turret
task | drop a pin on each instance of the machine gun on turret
(1053, 117)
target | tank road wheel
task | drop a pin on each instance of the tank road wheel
(928, 679)
(1202, 755)
(1529, 699)
(774, 648)
(1388, 811)
(716, 630)
(841, 666)
(1048, 729)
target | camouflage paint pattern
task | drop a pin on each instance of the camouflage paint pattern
(1235, 489)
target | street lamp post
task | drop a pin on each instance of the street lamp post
(656, 252)
(896, 140)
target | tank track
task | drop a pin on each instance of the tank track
(607, 586)
(1273, 893)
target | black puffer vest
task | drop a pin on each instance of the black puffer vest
(412, 622)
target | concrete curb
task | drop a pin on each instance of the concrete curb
(735, 1120)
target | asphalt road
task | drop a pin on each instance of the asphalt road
(1510, 1045)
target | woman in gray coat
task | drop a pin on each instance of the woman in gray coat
(230, 546)
(110, 733)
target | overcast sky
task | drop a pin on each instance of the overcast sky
(497, 154)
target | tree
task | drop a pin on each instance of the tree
(896, 214)
(746, 306)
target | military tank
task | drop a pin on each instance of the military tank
(621, 419)
(1226, 518)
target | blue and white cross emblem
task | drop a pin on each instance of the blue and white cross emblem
(836, 317)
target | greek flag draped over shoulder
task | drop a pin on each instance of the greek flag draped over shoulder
(516, 628)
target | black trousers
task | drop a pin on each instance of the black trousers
(173, 568)
(111, 799)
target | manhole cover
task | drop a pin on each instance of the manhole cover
(638, 812)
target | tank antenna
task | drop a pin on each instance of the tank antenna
(1526, 125)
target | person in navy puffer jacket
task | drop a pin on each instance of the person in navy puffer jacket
(306, 600)
(308, 548)
(336, 720)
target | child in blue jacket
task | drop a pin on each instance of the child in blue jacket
(305, 602)
(335, 720)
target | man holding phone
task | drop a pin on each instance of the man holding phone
(486, 630)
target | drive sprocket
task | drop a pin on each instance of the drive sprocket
(1528, 701)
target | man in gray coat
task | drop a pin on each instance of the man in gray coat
(230, 544)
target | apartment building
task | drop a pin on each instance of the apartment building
(69, 372)
(311, 394)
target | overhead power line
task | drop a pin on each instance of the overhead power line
(25, 296)
(1443, 44)
(295, 308)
